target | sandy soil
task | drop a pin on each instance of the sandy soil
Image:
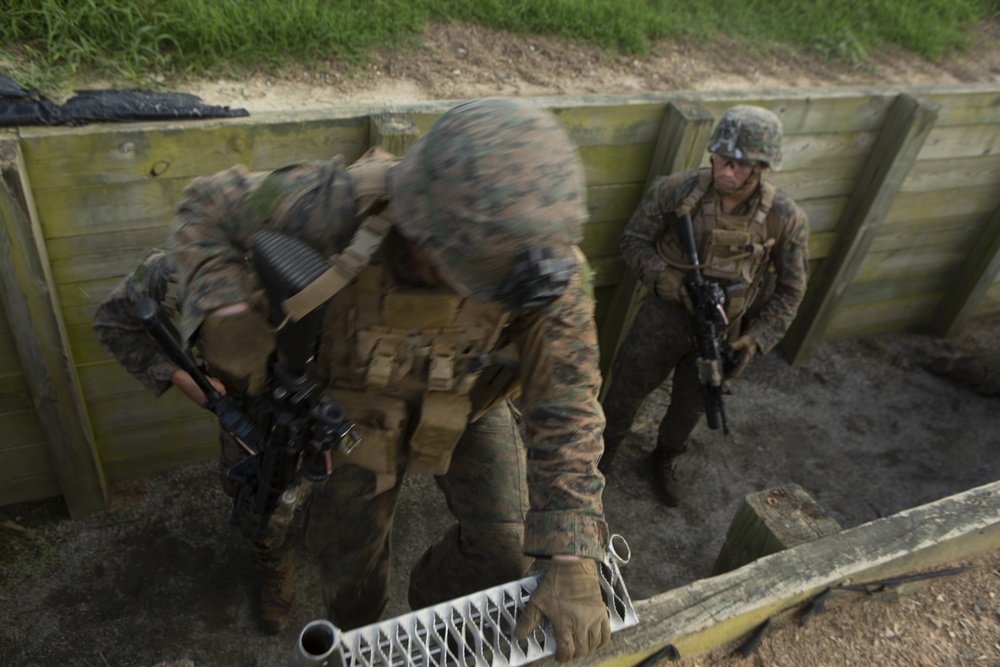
(862, 427)
(466, 61)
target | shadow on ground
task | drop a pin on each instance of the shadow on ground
(160, 577)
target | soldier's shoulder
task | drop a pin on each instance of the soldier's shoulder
(786, 207)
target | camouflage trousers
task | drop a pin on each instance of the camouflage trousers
(349, 529)
(658, 344)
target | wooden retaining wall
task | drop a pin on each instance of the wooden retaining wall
(902, 188)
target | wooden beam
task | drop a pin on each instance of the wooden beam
(681, 144)
(395, 132)
(771, 521)
(712, 612)
(29, 296)
(977, 273)
(909, 122)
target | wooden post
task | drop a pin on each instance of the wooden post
(977, 273)
(771, 521)
(909, 122)
(681, 144)
(395, 132)
(29, 295)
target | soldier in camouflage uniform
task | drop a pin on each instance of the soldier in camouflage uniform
(124, 337)
(751, 238)
(466, 256)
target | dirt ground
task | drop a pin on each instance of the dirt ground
(160, 578)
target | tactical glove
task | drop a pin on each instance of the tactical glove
(747, 348)
(569, 595)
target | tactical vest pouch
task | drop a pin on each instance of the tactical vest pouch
(419, 310)
(444, 416)
(726, 254)
(736, 301)
(237, 349)
(380, 421)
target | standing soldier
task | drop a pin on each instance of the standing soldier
(751, 240)
(465, 247)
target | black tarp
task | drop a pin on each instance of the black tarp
(20, 106)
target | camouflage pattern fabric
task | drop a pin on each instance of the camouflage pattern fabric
(659, 341)
(459, 190)
(123, 336)
(558, 348)
(349, 528)
(218, 216)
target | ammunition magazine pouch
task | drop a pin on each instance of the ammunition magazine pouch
(443, 419)
(381, 424)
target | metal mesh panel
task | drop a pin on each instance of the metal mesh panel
(475, 630)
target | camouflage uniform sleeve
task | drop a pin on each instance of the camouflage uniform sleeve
(639, 240)
(790, 258)
(564, 420)
(124, 337)
(218, 216)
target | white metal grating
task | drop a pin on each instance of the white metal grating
(472, 631)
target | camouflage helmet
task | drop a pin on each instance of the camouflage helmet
(748, 133)
(491, 179)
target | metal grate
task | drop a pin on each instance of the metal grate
(472, 631)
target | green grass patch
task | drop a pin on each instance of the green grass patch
(44, 40)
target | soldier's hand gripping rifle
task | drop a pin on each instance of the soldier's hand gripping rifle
(708, 317)
(288, 431)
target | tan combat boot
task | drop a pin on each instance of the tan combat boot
(666, 484)
(274, 599)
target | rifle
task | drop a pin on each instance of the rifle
(293, 427)
(707, 317)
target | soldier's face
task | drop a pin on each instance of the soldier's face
(730, 173)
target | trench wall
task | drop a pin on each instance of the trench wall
(902, 189)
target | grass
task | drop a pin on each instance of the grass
(46, 41)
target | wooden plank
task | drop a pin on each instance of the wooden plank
(602, 239)
(947, 231)
(771, 521)
(28, 429)
(157, 461)
(40, 334)
(616, 164)
(134, 406)
(847, 110)
(884, 289)
(25, 473)
(909, 262)
(826, 150)
(990, 302)
(394, 132)
(102, 209)
(979, 271)
(683, 136)
(823, 213)
(882, 317)
(953, 174)
(157, 439)
(145, 152)
(818, 183)
(15, 394)
(919, 206)
(612, 202)
(106, 255)
(908, 125)
(611, 124)
(974, 105)
(712, 612)
(961, 141)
